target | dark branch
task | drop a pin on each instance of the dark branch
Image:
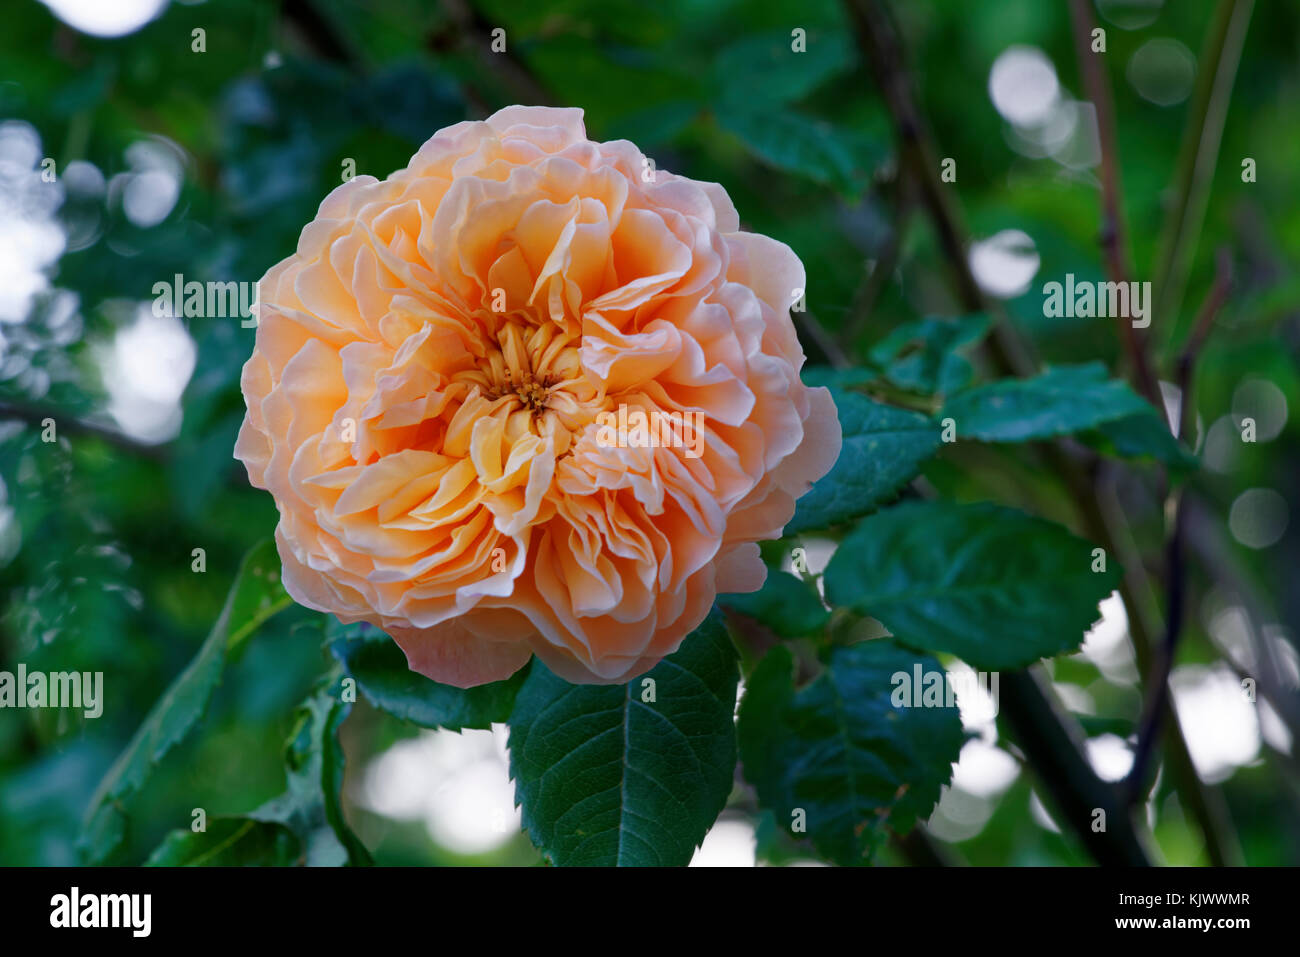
(1065, 772)
(887, 257)
(472, 35)
(1114, 240)
(36, 415)
(1175, 560)
(1053, 748)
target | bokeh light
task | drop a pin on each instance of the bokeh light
(1162, 71)
(1258, 517)
(106, 18)
(1005, 264)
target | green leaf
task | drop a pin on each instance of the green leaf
(228, 842)
(815, 149)
(790, 606)
(777, 846)
(657, 125)
(606, 777)
(883, 448)
(1142, 436)
(842, 750)
(1062, 400)
(764, 69)
(310, 805)
(922, 355)
(256, 595)
(991, 585)
(382, 674)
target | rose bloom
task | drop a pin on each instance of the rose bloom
(425, 403)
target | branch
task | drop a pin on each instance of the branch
(1053, 748)
(868, 294)
(821, 339)
(35, 415)
(472, 35)
(318, 32)
(1114, 242)
(1214, 301)
(882, 49)
(1175, 564)
(1106, 522)
(1199, 153)
(1205, 538)
(880, 46)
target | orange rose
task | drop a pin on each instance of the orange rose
(529, 395)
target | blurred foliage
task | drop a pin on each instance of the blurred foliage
(97, 532)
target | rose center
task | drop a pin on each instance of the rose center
(532, 392)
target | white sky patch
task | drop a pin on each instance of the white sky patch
(729, 843)
(106, 18)
(146, 370)
(31, 239)
(1229, 626)
(817, 554)
(11, 533)
(975, 698)
(457, 783)
(984, 770)
(1005, 264)
(1273, 729)
(959, 815)
(1106, 644)
(1218, 720)
(1110, 756)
